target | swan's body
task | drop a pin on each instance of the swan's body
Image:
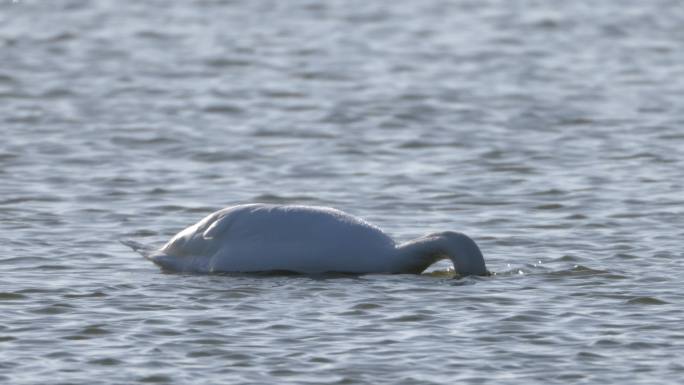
(305, 239)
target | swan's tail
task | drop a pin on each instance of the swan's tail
(150, 253)
(144, 250)
(165, 262)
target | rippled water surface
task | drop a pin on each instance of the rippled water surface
(551, 132)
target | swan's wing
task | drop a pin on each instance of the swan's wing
(218, 223)
(218, 227)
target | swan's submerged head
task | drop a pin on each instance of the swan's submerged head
(464, 254)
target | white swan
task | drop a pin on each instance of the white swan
(305, 239)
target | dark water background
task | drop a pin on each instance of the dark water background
(551, 132)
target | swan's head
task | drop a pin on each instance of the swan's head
(464, 254)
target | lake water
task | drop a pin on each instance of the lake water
(550, 132)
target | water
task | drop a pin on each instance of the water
(550, 132)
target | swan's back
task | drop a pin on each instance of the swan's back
(262, 237)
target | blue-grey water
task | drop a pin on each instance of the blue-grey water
(551, 132)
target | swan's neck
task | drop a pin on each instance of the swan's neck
(464, 253)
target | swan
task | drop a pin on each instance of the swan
(305, 239)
